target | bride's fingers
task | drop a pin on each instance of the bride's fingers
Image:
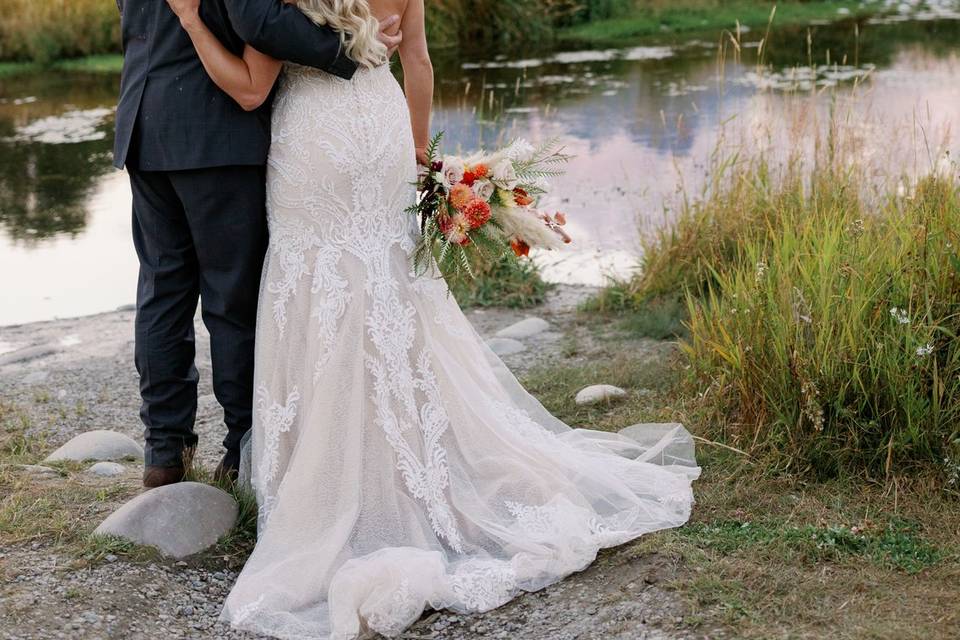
(389, 21)
(391, 42)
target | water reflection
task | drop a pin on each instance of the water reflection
(54, 145)
(643, 121)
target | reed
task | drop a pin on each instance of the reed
(48, 30)
(821, 323)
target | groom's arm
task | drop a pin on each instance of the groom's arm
(281, 31)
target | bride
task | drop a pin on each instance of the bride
(397, 463)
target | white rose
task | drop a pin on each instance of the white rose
(452, 171)
(520, 149)
(483, 189)
(504, 175)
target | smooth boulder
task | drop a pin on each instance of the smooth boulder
(179, 519)
(505, 346)
(98, 445)
(525, 328)
(599, 393)
(107, 469)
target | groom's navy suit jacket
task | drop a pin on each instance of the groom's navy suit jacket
(171, 116)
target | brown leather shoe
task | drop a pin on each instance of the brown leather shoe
(154, 477)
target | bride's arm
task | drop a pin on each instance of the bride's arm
(417, 75)
(248, 80)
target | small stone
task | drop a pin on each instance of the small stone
(39, 470)
(98, 445)
(107, 469)
(505, 346)
(599, 393)
(179, 519)
(26, 354)
(110, 558)
(524, 329)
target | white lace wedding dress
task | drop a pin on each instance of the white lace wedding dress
(397, 463)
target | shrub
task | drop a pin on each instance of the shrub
(43, 31)
(822, 326)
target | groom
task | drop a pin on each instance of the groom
(196, 162)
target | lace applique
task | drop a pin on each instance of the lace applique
(539, 522)
(276, 419)
(521, 422)
(331, 305)
(288, 246)
(403, 608)
(435, 290)
(481, 585)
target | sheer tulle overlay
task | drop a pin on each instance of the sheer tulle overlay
(397, 463)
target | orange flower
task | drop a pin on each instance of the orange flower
(561, 218)
(460, 196)
(455, 228)
(520, 248)
(521, 197)
(480, 171)
(477, 213)
(469, 177)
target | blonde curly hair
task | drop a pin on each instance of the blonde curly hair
(356, 24)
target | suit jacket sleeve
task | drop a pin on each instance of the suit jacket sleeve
(280, 30)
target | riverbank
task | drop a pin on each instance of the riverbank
(685, 17)
(628, 27)
(765, 555)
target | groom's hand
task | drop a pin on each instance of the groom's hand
(391, 42)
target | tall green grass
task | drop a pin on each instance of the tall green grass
(47, 30)
(822, 323)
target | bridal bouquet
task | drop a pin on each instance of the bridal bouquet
(485, 203)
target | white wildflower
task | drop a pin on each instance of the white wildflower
(925, 350)
(900, 315)
(761, 270)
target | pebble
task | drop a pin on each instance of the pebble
(599, 393)
(107, 469)
(99, 444)
(525, 328)
(505, 346)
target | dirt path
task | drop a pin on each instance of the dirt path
(69, 376)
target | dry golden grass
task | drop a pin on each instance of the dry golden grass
(47, 30)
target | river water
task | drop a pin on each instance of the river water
(645, 122)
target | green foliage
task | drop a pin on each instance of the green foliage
(899, 545)
(822, 326)
(507, 281)
(654, 18)
(53, 29)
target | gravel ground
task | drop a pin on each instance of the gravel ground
(75, 375)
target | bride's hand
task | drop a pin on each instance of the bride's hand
(391, 42)
(422, 158)
(185, 9)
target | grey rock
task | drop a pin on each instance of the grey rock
(39, 470)
(26, 354)
(179, 519)
(98, 445)
(599, 393)
(107, 469)
(524, 329)
(505, 346)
